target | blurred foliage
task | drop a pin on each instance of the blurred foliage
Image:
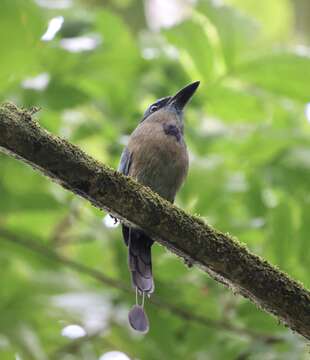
(248, 138)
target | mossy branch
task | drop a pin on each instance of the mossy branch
(189, 237)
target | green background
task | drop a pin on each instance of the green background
(248, 136)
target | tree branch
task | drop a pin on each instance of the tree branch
(189, 237)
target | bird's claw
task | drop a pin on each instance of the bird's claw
(115, 219)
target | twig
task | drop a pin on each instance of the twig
(58, 237)
(50, 254)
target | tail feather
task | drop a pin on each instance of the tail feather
(139, 259)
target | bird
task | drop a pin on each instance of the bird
(155, 156)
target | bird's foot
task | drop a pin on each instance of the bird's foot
(188, 262)
(114, 218)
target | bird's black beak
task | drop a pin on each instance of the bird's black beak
(182, 97)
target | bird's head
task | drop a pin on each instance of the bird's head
(174, 103)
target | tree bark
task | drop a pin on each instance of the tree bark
(189, 237)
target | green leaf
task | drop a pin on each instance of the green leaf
(281, 234)
(21, 27)
(235, 105)
(272, 27)
(285, 74)
(110, 73)
(237, 32)
(195, 56)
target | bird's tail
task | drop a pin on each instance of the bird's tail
(139, 259)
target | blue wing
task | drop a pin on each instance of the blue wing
(125, 162)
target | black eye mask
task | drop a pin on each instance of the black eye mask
(156, 106)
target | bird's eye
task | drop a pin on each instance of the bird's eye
(153, 108)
